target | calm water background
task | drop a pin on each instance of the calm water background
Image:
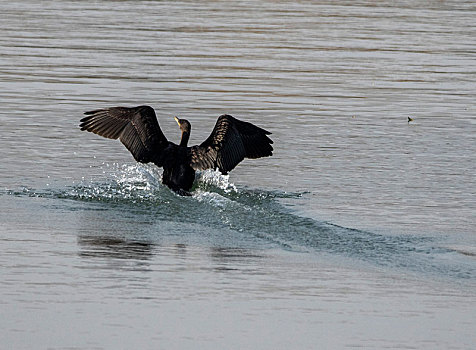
(358, 232)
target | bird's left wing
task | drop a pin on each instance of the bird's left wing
(136, 127)
(230, 142)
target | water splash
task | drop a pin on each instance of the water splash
(142, 182)
(134, 183)
(213, 178)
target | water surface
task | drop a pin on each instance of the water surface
(358, 232)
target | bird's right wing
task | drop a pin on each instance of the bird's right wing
(136, 127)
(230, 142)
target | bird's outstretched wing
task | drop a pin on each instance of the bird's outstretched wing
(230, 142)
(136, 127)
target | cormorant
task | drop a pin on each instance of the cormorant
(137, 128)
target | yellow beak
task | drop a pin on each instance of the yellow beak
(177, 120)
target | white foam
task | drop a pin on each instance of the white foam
(211, 197)
(215, 178)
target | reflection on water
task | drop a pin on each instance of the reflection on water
(116, 248)
(111, 247)
(244, 261)
(232, 255)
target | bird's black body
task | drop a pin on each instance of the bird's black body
(137, 128)
(178, 174)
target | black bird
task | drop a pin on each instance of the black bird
(137, 128)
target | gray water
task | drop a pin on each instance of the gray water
(358, 232)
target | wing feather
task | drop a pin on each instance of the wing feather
(137, 128)
(230, 142)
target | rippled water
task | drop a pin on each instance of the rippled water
(358, 232)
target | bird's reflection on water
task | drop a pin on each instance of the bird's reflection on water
(113, 247)
(122, 239)
(233, 254)
(233, 259)
(112, 234)
(122, 251)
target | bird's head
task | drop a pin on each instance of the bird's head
(183, 124)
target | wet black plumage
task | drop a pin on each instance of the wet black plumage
(230, 142)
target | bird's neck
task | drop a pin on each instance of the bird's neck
(185, 137)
